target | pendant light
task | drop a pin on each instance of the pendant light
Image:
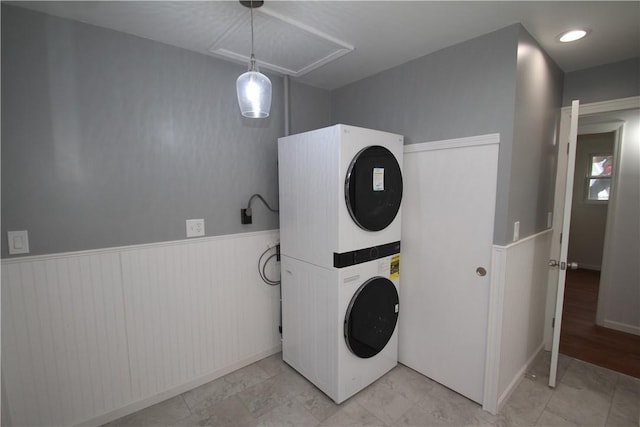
(253, 87)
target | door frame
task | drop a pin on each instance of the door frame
(605, 270)
(558, 210)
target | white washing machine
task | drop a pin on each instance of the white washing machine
(340, 191)
(339, 325)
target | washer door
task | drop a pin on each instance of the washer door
(371, 317)
(373, 188)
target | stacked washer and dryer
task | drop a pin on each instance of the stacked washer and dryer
(340, 196)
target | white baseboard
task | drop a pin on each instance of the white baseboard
(175, 391)
(518, 378)
(622, 327)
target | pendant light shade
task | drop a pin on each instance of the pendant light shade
(253, 87)
(254, 94)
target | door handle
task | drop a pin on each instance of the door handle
(563, 265)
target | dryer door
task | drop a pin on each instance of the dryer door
(371, 317)
(373, 188)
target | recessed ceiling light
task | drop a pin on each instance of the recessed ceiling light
(573, 35)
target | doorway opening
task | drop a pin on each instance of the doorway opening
(618, 300)
(585, 333)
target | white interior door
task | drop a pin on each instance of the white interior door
(447, 234)
(564, 241)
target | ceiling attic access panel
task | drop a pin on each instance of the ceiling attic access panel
(282, 44)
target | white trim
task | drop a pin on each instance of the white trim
(607, 106)
(623, 327)
(533, 236)
(606, 127)
(58, 255)
(307, 28)
(493, 138)
(175, 391)
(341, 48)
(605, 276)
(494, 328)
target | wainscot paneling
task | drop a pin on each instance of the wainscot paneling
(64, 347)
(91, 336)
(516, 314)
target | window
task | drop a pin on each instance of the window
(599, 177)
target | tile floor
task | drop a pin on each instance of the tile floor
(270, 393)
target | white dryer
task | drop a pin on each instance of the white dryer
(340, 190)
(339, 325)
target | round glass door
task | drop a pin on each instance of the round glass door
(371, 317)
(373, 188)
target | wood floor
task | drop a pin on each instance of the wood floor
(581, 338)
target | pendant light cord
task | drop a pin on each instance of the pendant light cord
(252, 63)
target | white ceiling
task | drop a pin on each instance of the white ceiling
(383, 33)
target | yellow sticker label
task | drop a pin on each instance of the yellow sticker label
(394, 270)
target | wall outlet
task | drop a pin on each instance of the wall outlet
(516, 231)
(245, 216)
(195, 227)
(18, 242)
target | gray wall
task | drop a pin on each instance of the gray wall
(464, 90)
(484, 85)
(110, 140)
(309, 108)
(534, 149)
(610, 81)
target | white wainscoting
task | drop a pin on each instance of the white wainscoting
(516, 314)
(91, 336)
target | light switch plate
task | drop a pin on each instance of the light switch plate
(516, 231)
(18, 242)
